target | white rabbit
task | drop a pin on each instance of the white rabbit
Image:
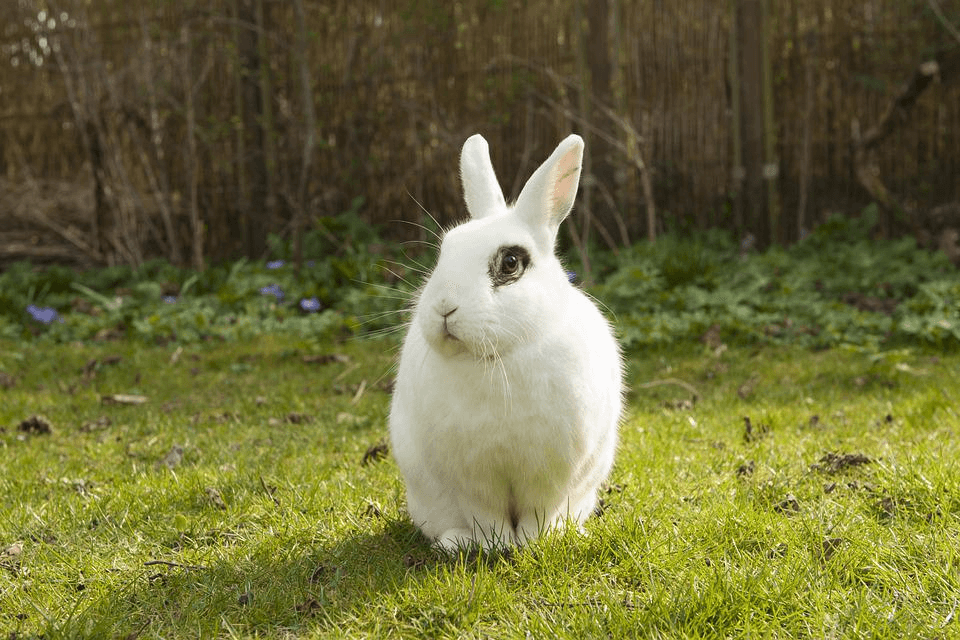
(505, 410)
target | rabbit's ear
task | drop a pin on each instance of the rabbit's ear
(480, 187)
(548, 196)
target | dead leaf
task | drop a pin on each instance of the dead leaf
(682, 404)
(10, 557)
(309, 607)
(788, 505)
(216, 498)
(222, 417)
(96, 425)
(837, 462)
(93, 366)
(123, 398)
(173, 458)
(298, 418)
(326, 358)
(829, 547)
(321, 572)
(36, 426)
(887, 506)
(375, 453)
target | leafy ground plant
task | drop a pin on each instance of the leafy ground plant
(837, 286)
(244, 489)
(341, 287)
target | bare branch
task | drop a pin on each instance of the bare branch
(952, 30)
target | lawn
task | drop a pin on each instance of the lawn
(239, 489)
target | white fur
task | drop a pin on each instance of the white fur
(509, 414)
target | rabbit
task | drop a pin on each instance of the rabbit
(507, 400)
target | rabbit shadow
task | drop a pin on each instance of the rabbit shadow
(307, 586)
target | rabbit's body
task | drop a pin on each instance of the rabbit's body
(507, 397)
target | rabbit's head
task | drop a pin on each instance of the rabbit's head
(497, 283)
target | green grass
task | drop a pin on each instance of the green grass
(272, 526)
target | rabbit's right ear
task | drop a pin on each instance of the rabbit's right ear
(480, 187)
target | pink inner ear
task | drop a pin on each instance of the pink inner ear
(564, 183)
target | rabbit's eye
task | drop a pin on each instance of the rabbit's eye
(508, 264)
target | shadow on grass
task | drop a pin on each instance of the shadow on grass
(276, 586)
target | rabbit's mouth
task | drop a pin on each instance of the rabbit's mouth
(448, 336)
(447, 342)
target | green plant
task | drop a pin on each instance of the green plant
(835, 287)
(339, 289)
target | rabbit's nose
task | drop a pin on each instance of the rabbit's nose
(445, 307)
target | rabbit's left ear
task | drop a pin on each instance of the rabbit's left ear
(548, 196)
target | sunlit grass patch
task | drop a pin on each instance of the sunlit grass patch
(247, 496)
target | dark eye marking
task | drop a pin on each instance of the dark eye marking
(507, 265)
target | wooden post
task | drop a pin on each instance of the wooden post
(254, 206)
(196, 225)
(771, 163)
(309, 125)
(733, 70)
(750, 50)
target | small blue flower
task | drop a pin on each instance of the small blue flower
(310, 305)
(275, 264)
(571, 276)
(272, 290)
(169, 299)
(46, 315)
(311, 263)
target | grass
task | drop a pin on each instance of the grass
(236, 501)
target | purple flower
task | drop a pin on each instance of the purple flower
(46, 315)
(169, 299)
(275, 264)
(571, 275)
(310, 305)
(272, 290)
